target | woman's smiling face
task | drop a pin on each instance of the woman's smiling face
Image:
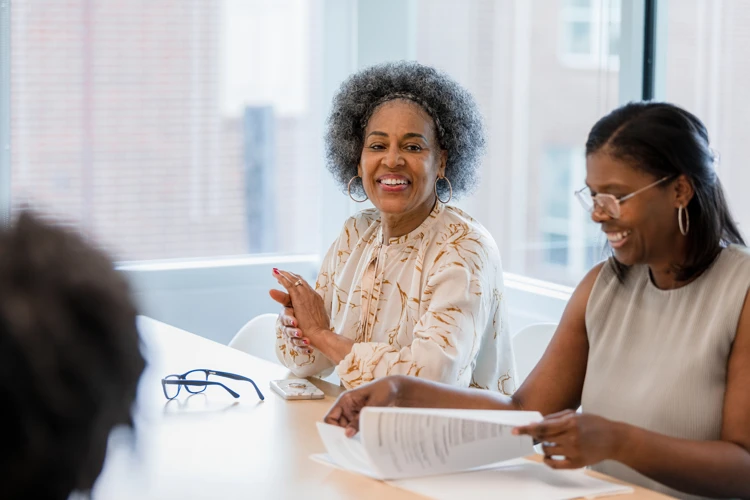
(647, 227)
(401, 158)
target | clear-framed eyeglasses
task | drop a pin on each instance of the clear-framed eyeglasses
(609, 203)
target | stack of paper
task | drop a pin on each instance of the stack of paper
(465, 452)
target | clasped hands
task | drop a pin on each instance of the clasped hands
(304, 319)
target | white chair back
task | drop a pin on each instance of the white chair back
(529, 345)
(258, 337)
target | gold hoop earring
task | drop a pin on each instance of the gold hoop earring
(349, 191)
(684, 228)
(450, 197)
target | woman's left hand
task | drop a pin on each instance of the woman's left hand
(581, 439)
(309, 308)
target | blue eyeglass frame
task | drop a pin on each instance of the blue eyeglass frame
(182, 380)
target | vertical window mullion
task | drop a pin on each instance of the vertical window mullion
(649, 49)
(597, 30)
(4, 111)
(631, 50)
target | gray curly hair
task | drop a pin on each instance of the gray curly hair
(459, 125)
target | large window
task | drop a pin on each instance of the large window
(538, 109)
(704, 67)
(171, 129)
(193, 128)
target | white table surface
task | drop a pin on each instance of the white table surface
(213, 446)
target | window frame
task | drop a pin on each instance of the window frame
(599, 36)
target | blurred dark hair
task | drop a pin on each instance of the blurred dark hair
(665, 140)
(70, 359)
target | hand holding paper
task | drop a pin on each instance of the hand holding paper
(407, 444)
(411, 442)
(582, 439)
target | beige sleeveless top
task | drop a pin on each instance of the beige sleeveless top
(658, 358)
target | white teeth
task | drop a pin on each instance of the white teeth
(393, 182)
(615, 237)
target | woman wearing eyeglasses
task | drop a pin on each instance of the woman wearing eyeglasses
(413, 286)
(654, 344)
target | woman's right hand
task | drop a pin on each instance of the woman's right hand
(345, 412)
(292, 334)
(289, 324)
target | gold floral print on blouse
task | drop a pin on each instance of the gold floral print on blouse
(428, 304)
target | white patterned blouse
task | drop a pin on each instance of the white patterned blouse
(428, 304)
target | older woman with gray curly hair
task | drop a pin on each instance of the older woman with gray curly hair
(413, 286)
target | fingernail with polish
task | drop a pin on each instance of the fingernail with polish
(275, 271)
(306, 342)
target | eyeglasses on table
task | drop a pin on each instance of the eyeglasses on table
(196, 381)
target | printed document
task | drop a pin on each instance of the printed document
(465, 453)
(396, 443)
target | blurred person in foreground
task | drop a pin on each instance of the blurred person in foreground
(70, 359)
(654, 344)
(413, 286)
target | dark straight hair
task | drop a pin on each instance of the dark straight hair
(667, 141)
